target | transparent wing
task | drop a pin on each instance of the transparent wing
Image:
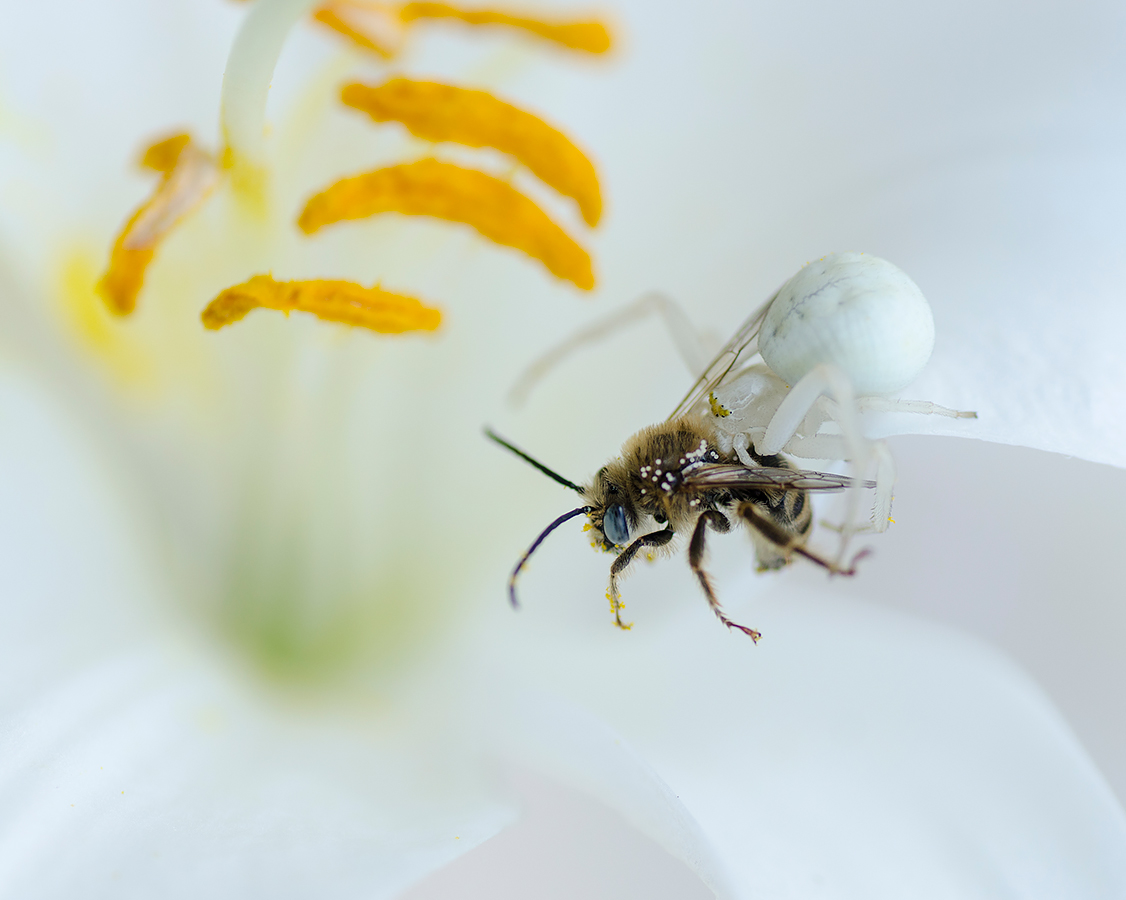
(743, 345)
(710, 476)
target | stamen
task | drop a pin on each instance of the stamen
(442, 112)
(589, 37)
(189, 175)
(445, 191)
(357, 21)
(246, 84)
(334, 301)
(163, 155)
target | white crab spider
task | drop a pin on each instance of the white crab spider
(834, 340)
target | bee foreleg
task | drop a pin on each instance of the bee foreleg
(789, 542)
(653, 539)
(718, 521)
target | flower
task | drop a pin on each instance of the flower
(295, 683)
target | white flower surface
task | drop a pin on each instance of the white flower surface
(255, 639)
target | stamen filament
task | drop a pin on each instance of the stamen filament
(442, 112)
(334, 301)
(246, 83)
(442, 190)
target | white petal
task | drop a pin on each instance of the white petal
(138, 763)
(160, 778)
(852, 753)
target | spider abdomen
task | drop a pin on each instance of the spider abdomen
(855, 311)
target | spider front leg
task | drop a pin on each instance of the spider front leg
(653, 539)
(718, 521)
(792, 411)
(693, 348)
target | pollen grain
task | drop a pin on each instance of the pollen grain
(188, 175)
(442, 112)
(589, 37)
(333, 301)
(442, 190)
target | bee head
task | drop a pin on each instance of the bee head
(612, 516)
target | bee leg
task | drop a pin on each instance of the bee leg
(653, 539)
(718, 521)
(789, 542)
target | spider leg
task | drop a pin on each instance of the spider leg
(919, 407)
(832, 446)
(718, 521)
(689, 343)
(826, 379)
(885, 483)
(790, 542)
(653, 539)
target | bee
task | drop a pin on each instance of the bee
(850, 328)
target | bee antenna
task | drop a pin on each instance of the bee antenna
(582, 510)
(546, 471)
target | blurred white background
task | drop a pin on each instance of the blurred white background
(980, 148)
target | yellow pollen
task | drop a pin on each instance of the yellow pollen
(163, 155)
(94, 327)
(188, 175)
(616, 607)
(445, 191)
(441, 112)
(345, 18)
(718, 409)
(334, 301)
(589, 37)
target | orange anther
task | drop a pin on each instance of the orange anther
(188, 176)
(590, 37)
(442, 190)
(355, 21)
(441, 112)
(334, 301)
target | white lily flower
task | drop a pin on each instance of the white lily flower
(255, 641)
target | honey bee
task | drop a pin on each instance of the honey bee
(850, 326)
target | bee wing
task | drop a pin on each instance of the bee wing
(726, 475)
(743, 345)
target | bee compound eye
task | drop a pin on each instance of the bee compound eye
(615, 526)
